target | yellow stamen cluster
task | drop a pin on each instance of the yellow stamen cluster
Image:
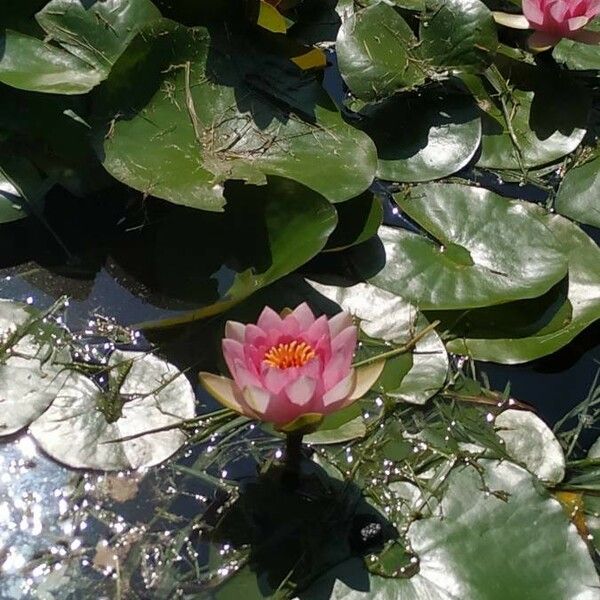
(294, 354)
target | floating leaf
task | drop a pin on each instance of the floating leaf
(84, 41)
(501, 252)
(421, 137)
(343, 426)
(358, 220)
(414, 376)
(378, 54)
(561, 318)
(530, 442)
(458, 34)
(491, 522)
(578, 197)
(266, 232)
(10, 201)
(577, 55)
(84, 426)
(223, 105)
(29, 380)
(532, 117)
(270, 18)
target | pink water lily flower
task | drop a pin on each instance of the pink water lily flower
(553, 20)
(290, 370)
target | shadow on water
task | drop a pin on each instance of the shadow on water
(297, 534)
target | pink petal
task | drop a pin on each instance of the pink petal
(232, 351)
(303, 315)
(592, 9)
(559, 10)
(301, 391)
(235, 331)
(345, 343)
(258, 399)
(576, 23)
(269, 319)
(339, 322)
(244, 377)
(316, 331)
(335, 370)
(255, 336)
(533, 12)
(340, 392)
(276, 379)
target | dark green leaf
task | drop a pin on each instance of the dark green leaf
(423, 137)
(224, 105)
(83, 42)
(378, 54)
(458, 34)
(562, 321)
(578, 196)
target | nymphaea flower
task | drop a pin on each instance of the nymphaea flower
(291, 369)
(553, 20)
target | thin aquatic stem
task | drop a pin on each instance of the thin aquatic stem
(400, 349)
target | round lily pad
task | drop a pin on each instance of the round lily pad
(89, 38)
(221, 105)
(442, 140)
(578, 197)
(562, 318)
(481, 249)
(531, 116)
(29, 381)
(458, 34)
(378, 54)
(497, 536)
(414, 376)
(116, 428)
(530, 442)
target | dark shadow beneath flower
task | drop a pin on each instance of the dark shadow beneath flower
(298, 535)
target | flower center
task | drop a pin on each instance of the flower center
(294, 354)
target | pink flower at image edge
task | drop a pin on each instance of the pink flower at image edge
(555, 19)
(288, 367)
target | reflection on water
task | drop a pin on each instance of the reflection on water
(35, 516)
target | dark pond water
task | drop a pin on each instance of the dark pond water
(45, 508)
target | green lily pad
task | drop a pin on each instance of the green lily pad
(223, 105)
(83, 42)
(29, 380)
(414, 376)
(442, 140)
(497, 536)
(51, 132)
(358, 220)
(458, 34)
(84, 426)
(501, 252)
(578, 197)
(10, 201)
(563, 320)
(378, 54)
(266, 232)
(576, 55)
(532, 116)
(530, 442)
